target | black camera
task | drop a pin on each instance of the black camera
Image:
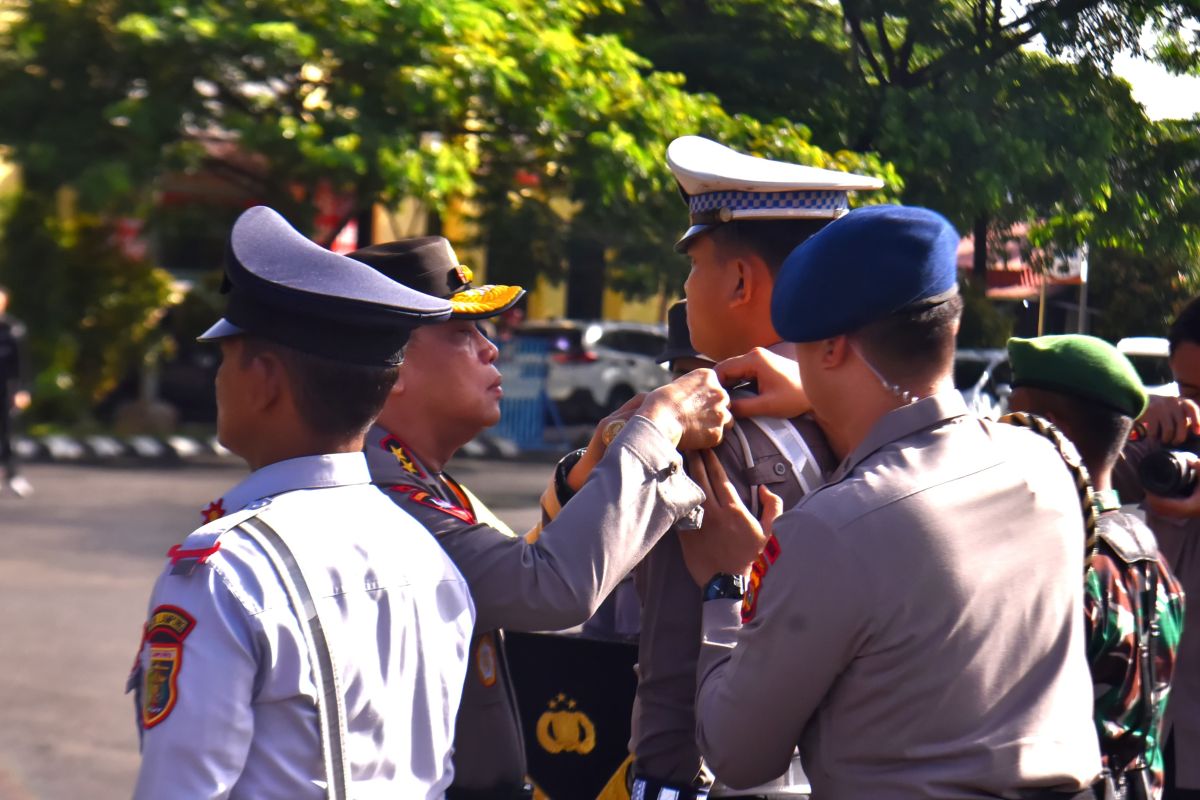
(1169, 472)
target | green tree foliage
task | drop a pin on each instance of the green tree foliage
(554, 133)
(980, 126)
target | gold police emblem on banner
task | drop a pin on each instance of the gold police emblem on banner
(563, 729)
(485, 660)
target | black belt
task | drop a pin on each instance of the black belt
(520, 791)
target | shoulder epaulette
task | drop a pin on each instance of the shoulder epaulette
(203, 542)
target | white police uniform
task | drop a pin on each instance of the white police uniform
(310, 641)
(228, 705)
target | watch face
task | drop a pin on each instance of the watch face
(725, 587)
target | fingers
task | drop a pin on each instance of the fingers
(772, 507)
(697, 472)
(722, 490)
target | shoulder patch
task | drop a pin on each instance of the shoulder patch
(165, 631)
(757, 572)
(425, 498)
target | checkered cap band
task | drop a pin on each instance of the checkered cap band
(832, 202)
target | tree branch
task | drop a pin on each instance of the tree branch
(863, 46)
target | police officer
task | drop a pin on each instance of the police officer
(448, 391)
(1132, 601)
(311, 640)
(746, 214)
(915, 626)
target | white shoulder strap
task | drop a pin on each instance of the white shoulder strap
(331, 709)
(791, 445)
(203, 542)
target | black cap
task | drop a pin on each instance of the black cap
(679, 338)
(290, 290)
(428, 264)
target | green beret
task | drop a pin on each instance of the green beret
(1083, 366)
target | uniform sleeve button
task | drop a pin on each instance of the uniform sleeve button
(780, 468)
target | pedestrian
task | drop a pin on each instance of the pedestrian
(14, 396)
(311, 640)
(1173, 423)
(916, 628)
(1132, 601)
(746, 215)
(448, 391)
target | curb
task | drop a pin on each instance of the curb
(65, 449)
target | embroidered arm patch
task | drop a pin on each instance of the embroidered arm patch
(165, 631)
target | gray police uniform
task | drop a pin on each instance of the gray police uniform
(636, 492)
(916, 630)
(720, 185)
(311, 640)
(1178, 541)
(664, 717)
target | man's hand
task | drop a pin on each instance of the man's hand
(692, 411)
(20, 400)
(601, 437)
(780, 393)
(1170, 419)
(730, 538)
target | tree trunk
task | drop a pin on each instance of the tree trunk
(979, 265)
(585, 277)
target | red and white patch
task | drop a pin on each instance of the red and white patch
(165, 631)
(423, 497)
(758, 571)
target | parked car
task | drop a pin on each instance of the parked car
(984, 378)
(594, 367)
(1151, 357)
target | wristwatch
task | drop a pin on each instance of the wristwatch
(562, 489)
(724, 586)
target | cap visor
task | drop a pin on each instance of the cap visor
(685, 241)
(484, 301)
(222, 330)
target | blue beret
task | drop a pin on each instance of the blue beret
(288, 289)
(872, 262)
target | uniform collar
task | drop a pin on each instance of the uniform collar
(391, 460)
(903, 422)
(306, 472)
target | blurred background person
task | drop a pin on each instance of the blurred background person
(14, 397)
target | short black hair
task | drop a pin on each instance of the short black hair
(335, 399)
(772, 240)
(914, 344)
(1098, 432)
(1186, 327)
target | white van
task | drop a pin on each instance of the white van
(1151, 357)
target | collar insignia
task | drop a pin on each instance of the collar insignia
(215, 510)
(409, 465)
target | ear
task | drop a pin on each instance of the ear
(398, 387)
(754, 279)
(833, 351)
(269, 381)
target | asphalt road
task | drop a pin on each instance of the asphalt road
(77, 561)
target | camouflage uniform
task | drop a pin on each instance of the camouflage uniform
(1124, 572)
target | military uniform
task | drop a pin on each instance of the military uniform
(554, 578)
(720, 185)
(1133, 602)
(309, 641)
(915, 628)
